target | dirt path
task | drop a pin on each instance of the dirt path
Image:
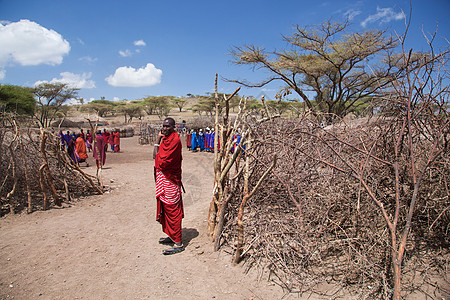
(105, 247)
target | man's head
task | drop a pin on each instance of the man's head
(168, 126)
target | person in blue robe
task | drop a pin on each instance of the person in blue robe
(201, 140)
(194, 141)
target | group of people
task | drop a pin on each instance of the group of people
(77, 145)
(197, 140)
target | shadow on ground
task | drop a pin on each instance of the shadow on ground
(189, 234)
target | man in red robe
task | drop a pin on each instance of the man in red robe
(99, 150)
(168, 186)
(116, 140)
(106, 137)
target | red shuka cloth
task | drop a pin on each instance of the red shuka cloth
(106, 136)
(188, 140)
(80, 147)
(170, 216)
(116, 138)
(168, 161)
(100, 155)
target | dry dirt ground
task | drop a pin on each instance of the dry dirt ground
(106, 246)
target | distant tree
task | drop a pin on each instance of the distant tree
(50, 98)
(278, 107)
(180, 103)
(163, 107)
(158, 105)
(253, 105)
(100, 107)
(149, 104)
(328, 61)
(17, 99)
(204, 104)
(130, 110)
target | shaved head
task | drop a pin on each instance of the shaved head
(171, 121)
(168, 126)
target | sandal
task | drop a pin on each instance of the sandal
(166, 241)
(174, 249)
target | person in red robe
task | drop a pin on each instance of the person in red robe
(80, 148)
(111, 140)
(188, 139)
(116, 140)
(89, 141)
(99, 152)
(167, 173)
(106, 137)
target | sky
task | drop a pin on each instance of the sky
(132, 49)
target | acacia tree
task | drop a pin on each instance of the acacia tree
(180, 103)
(100, 107)
(133, 109)
(327, 61)
(50, 98)
(158, 105)
(204, 104)
(17, 99)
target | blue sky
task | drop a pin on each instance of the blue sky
(131, 49)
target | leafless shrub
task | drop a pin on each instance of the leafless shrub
(201, 122)
(312, 222)
(25, 181)
(363, 205)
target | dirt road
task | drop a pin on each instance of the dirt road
(106, 247)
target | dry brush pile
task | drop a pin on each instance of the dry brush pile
(312, 221)
(35, 172)
(362, 206)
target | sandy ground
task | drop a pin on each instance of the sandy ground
(106, 246)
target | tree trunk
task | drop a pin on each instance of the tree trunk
(240, 230)
(397, 272)
(41, 182)
(221, 220)
(22, 152)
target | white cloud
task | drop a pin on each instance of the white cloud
(384, 15)
(130, 77)
(116, 98)
(351, 13)
(125, 53)
(140, 43)
(2, 74)
(79, 81)
(29, 44)
(88, 59)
